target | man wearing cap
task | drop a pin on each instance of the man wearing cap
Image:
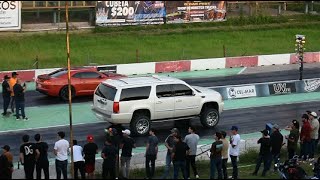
(5, 94)
(314, 133)
(12, 82)
(126, 145)
(9, 157)
(216, 156)
(276, 140)
(90, 150)
(234, 150)
(264, 154)
(19, 98)
(169, 143)
(305, 137)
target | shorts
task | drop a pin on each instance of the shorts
(90, 167)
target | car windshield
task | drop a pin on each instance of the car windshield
(106, 92)
(58, 73)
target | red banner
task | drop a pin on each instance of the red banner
(249, 61)
(173, 66)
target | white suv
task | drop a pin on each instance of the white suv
(139, 101)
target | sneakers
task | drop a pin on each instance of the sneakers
(25, 119)
(3, 114)
(18, 119)
(197, 176)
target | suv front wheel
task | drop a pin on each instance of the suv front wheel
(140, 124)
(209, 117)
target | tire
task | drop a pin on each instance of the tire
(64, 93)
(140, 124)
(213, 116)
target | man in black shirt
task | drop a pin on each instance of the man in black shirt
(264, 154)
(28, 156)
(5, 94)
(179, 157)
(4, 167)
(169, 143)
(42, 161)
(110, 156)
(19, 98)
(276, 140)
(126, 145)
(151, 153)
(90, 150)
(216, 156)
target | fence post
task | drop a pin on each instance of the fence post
(137, 55)
(224, 51)
(306, 7)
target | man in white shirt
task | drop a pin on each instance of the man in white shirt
(192, 141)
(78, 160)
(234, 150)
(314, 133)
(61, 151)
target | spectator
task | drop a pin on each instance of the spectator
(276, 140)
(224, 154)
(234, 150)
(192, 141)
(5, 95)
(7, 153)
(169, 143)
(179, 156)
(305, 137)
(314, 133)
(151, 153)
(42, 162)
(5, 166)
(90, 150)
(28, 156)
(216, 156)
(264, 154)
(109, 155)
(317, 142)
(126, 145)
(12, 82)
(293, 138)
(19, 99)
(61, 152)
(115, 141)
(78, 160)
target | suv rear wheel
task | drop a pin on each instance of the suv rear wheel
(209, 117)
(140, 124)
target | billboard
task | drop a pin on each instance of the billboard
(282, 88)
(241, 92)
(195, 11)
(10, 15)
(114, 13)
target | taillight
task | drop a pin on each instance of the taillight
(116, 107)
(46, 82)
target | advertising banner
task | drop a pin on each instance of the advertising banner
(195, 11)
(10, 15)
(282, 88)
(115, 13)
(312, 85)
(241, 92)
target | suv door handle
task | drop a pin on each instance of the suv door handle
(159, 102)
(179, 100)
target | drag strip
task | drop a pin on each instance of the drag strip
(249, 120)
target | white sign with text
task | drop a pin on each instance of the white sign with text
(10, 15)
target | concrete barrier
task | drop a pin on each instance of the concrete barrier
(136, 68)
(206, 64)
(266, 60)
(246, 61)
(309, 57)
(24, 75)
(172, 66)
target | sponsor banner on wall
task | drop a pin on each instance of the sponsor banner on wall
(282, 88)
(312, 85)
(241, 92)
(115, 13)
(195, 11)
(10, 15)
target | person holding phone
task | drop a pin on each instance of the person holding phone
(20, 99)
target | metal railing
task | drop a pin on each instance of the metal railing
(31, 5)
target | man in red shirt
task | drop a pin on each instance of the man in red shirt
(305, 137)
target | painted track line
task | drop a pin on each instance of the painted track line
(242, 70)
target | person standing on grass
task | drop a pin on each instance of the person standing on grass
(216, 156)
(276, 140)
(78, 160)
(28, 156)
(5, 95)
(305, 137)
(42, 162)
(179, 155)
(293, 138)
(234, 150)
(126, 145)
(19, 98)
(151, 153)
(264, 154)
(192, 141)
(314, 133)
(169, 143)
(109, 155)
(61, 152)
(224, 154)
(90, 150)
(12, 82)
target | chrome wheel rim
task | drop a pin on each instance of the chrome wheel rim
(142, 126)
(212, 119)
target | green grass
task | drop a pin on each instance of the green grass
(241, 36)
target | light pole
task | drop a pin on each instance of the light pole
(300, 41)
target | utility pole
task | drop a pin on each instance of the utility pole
(300, 41)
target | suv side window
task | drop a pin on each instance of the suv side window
(164, 91)
(182, 90)
(138, 93)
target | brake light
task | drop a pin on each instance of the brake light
(46, 82)
(116, 107)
